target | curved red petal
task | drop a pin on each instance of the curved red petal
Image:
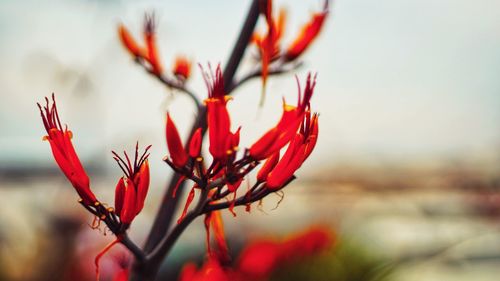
(174, 143)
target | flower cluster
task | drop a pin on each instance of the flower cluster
(149, 52)
(269, 43)
(297, 128)
(131, 189)
(216, 180)
(130, 192)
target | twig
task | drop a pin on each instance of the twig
(172, 84)
(277, 69)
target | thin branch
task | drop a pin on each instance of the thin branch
(279, 68)
(156, 256)
(172, 83)
(245, 199)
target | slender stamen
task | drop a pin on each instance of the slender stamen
(136, 154)
(125, 167)
(44, 120)
(120, 165)
(56, 114)
(300, 90)
(129, 164)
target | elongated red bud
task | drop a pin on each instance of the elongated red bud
(129, 42)
(128, 211)
(174, 143)
(268, 166)
(142, 185)
(152, 49)
(307, 35)
(288, 164)
(119, 195)
(195, 144)
(313, 136)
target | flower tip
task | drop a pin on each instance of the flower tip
(182, 67)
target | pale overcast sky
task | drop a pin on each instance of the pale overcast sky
(396, 78)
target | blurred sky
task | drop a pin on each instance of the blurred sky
(397, 79)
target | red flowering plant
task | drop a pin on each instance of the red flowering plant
(214, 181)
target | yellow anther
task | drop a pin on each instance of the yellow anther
(199, 159)
(103, 217)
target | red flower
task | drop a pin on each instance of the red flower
(268, 166)
(308, 33)
(218, 120)
(211, 271)
(277, 137)
(269, 43)
(297, 152)
(131, 190)
(129, 42)
(64, 152)
(259, 259)
(195, 144)
(175, 147)
(152, 50)
(182, 67)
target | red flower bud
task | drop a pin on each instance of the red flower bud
(141, 182)
(129, 42)
(195, 144)
(119, 195)
(268, 166)
(152, 50)
(308, 33)
(312, 136)
(174, 143)
(288, 164)
(269, 44)
(128, 210)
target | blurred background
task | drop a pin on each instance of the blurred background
(407, 166)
